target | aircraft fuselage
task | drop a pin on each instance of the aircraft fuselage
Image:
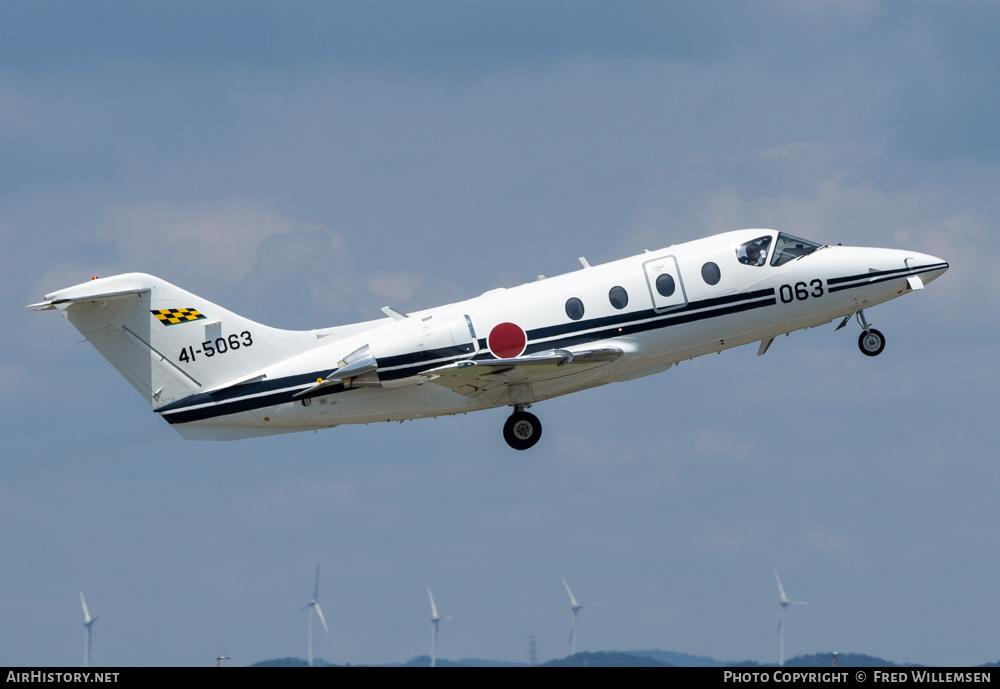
(602, 324)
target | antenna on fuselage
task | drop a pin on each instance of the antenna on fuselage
(393, 313)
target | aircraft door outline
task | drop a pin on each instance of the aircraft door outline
(666, 288)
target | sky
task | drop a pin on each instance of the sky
(306, 164)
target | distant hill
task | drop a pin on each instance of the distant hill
(679, 659)
(826, 660)
(290, 662)
(843, 660)
(482, 662)
(647, 658)
(425, 661)
(602, 659)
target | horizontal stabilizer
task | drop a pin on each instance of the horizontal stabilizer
(54, 303)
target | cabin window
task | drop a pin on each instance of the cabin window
(788, 247)
(618, 297)
(665, 285)
(574, 308)
(710, 273)
(754, 252)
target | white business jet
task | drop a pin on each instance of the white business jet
(214, 375)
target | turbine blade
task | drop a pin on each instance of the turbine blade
(316, 589)
(86, 613)
(781, 589)
(434, 610)
(572, 600)
(319, 611)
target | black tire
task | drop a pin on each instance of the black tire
(522, 430)
(871, 343)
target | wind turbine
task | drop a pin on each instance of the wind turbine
(575, 607)
(781, 625)
(435, 619)
(88, 622)
(314, 605)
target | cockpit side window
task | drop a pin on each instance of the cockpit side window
(754, 252)
(788, 247)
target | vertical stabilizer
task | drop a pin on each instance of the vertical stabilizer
(168, 343)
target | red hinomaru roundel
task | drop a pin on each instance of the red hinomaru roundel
(507, 340)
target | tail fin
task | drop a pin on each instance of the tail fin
(168, 343)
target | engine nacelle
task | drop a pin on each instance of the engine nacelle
(416, 344)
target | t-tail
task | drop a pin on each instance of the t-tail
(168, 343)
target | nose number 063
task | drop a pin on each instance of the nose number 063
(800, 291)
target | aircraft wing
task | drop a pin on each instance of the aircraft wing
(474, 377)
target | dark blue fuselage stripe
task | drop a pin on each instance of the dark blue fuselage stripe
(239, 405)
(426, 355)
(239, 398)
(876, 277)
(235, 400)
(238, 391)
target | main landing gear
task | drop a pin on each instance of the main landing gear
(522, 430)
(871, 342)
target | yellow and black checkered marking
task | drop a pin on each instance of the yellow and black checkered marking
(175, 316)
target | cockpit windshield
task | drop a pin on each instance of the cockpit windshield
(788, 247)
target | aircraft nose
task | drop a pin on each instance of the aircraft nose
(926, 266)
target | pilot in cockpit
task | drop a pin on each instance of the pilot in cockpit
(754, 252)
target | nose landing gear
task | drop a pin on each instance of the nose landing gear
(522, 430)
(871, 342)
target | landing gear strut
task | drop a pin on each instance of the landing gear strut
(522, 430)
(871, 342)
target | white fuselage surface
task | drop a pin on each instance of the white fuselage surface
(214, 375)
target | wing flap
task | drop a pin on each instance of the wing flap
(475, 377)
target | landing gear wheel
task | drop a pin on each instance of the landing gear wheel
(522, 430)
(871, 343)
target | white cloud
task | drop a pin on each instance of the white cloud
(396, 287)
(216, 242)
